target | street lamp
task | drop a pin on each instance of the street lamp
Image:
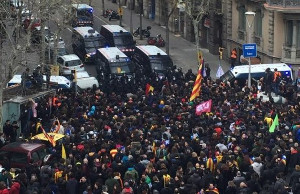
(249, 19)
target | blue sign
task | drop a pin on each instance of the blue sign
(249, 50)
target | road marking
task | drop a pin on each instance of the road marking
(69, 29)
(101, 19)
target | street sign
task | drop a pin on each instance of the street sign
(249, 50)
(120, 11)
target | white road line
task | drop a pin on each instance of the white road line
(101, 19)
(69, 29)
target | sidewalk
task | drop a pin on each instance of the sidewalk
(182, 52)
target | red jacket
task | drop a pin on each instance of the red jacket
(4, 191)
(15, 188)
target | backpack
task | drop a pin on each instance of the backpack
(167, 179)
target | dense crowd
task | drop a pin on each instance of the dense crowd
(122, 142)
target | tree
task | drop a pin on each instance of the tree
(16, 42)
(196, 10)
(168, 15)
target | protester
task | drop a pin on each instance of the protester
(127, 141)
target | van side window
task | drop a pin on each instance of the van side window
(35, 157)
(18, 157)
(60, 61)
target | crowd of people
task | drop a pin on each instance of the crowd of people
(122, 142)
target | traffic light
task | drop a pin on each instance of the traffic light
(221, 52)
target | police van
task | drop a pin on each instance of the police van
(150, 59)
(81, 15)
(85, 42)
(117, 36)
(112, 61)
(241, 73)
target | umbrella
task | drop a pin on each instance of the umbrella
(55, 136)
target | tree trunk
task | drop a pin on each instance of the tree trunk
(1, 106)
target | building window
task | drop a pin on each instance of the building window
(242, 18)
(258, 24)
(289, 33)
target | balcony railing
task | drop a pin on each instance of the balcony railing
(284, 3)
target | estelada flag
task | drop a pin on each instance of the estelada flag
(203, 107)
(149, 88)
(50, 138)
(197, 84)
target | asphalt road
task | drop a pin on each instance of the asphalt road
(182, 52)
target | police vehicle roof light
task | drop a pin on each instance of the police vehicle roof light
(91, 10)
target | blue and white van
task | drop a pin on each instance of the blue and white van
(241, 73)
(55, 81)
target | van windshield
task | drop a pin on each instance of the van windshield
(121, 67)
(73, 63)
(160, 65)
(88, 13)
(123, 40)
(93, 44)
(18, 157)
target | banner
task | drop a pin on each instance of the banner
(203, 107)
(220, 72)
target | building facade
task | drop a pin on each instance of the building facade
(276, 28)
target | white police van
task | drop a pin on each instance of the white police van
(241, 73)
(112, 60)
(85, 42)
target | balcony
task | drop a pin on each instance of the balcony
(285, 6)
(290, 55)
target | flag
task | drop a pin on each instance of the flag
(63, 152)
(148, 89)
(204, 72)
(274, 124)
(50, 139)
(203, 107)
(197, 84)
(220, 72)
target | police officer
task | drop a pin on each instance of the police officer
(24, 79)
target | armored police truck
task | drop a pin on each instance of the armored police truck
(85, 42)
(118, 37)
(112, 61)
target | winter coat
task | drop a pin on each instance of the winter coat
(15, 188)
(257, 167)
(72, 186)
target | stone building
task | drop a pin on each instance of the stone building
(276, 28)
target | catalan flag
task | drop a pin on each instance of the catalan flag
(149, 88)
(197, 84)
(50, 138)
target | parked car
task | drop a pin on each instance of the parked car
(70, 62)
(19, 154)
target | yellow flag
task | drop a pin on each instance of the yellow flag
(63, 152)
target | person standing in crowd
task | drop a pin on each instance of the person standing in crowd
(268, 81)
(8, 130)
(276, 81)
(233, 57)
